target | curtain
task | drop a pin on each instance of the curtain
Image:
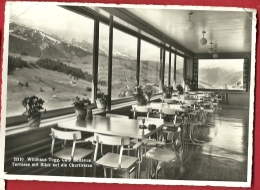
(195, 73)
(246, 77)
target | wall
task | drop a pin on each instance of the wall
(238, 99)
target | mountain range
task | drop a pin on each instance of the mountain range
(37, 43)
(220, 78)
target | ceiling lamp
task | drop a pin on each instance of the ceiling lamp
(215, 55)
(211, 50)
(189, 24)
(203, 40)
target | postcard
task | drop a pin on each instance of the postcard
(137, 94)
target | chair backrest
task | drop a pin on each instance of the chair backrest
(111, 140)
(173, 134)
(157, 103)
(141, 109)
(66, 135)
(193, 93)
(117, 116)
(175, 106)
(189, 102)
(169, 101)
(169, 111)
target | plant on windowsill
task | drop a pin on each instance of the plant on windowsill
(80, 106)
(148, 91)
(33, 106)
(140, 96)
(167, 91)
(179, 89)
(101, 100)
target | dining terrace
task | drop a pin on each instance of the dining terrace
(129, 96)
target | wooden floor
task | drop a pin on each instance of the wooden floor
(222, 158)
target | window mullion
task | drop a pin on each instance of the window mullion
(110, 60)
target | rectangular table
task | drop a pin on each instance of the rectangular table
(112, 126)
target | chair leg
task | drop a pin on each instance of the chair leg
(84, 172)
(111, 173)
(72, 171)
(94, 170)
(64, 171)
(138, 171)
(148, 169)
(163, 171)
(128, 174)
(105, 172)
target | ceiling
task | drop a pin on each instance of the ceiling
(230, 31)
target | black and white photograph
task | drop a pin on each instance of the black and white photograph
(138, 94)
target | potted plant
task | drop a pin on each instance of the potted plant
(167, 91)
(180, 89)
(140, 96)
(33, 106)
(101, 100)
(148, 91)
(190, 83)
(80, 106)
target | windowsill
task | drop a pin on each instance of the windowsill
(24, 128)
(220, 90)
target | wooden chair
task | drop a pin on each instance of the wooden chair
(162, 155)
(190, 126)
(141, 109)
(117, 116)
(70, 153)
(117, 161)
(177, 120)
(175, 116)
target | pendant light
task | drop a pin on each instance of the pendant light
(189, 24)
(215, 55)
(203, 40)
(211, 50)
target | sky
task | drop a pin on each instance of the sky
(52, 19)
(56, 20)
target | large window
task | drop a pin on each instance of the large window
(50, 56)
(166, 71)
(220, 74)
(150, 65)
(172, 69)
(103, 58)
(124, 64)
(179, 69)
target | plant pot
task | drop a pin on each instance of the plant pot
(148, 98)
(89, 114)
(34, 119)
(80, 113)
(142, 102)
(101, 106)
(167, 95)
